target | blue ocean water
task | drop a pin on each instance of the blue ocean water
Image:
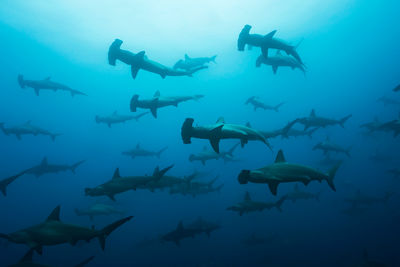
(350, 49)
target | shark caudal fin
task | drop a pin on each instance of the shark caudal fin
(106, 231)
(276, 108)
(279, 203)
(212, 59)
(134, 103)
(343, 120)
(113, 51)
(230, 152)
(190, 72)
(21, 81)
(86, 261)
(74, 166)
(186, 130)
(3, 189)
(161, 151)
(331, 176)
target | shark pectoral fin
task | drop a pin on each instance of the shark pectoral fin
(264, 51)
(243, 142)
(273, 187)
(111, 197)
(274, 68)
(215, 144)
(134, 71)
(37, 91)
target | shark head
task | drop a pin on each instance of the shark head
(186, 131)
(242, 37)
(244, 176)
(94, 191)
(113, 50)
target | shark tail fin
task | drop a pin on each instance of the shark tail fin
(276, 108)
(73, 167)
(230, 152)
(161, 151)
(106, 231)
(190, 72)
(21, 81)
(279, 203)
(218, 188)
(3, 189)
(210, 183)
(213, 58)
(86, 261)
(343, 120)
(331, 176)
(113, 50)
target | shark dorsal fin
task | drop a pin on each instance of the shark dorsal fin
(157, 94)
(247, 196)
(180, 226)
(116, 174)
(138, 146)
(54, 215)
(47, 78)
(270, 35)
(44, 161)
(221, 120)
(312, 114)
(187, 57)
(248, 125)
(27, 257)
(280, 157)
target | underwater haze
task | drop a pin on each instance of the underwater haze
(292, 158)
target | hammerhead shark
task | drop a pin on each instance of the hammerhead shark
(138, 151)
(220, 130)
(25, 129)
(140, 61)
(159, 101)
(54, 232)
(283, 172)
(255, 101)
(117, 118)
(265, 42)
(316, 121)
(280, 60)
(190, 63)
(44, 167)
(46, 84)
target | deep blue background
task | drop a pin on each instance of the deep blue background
(352, 56)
